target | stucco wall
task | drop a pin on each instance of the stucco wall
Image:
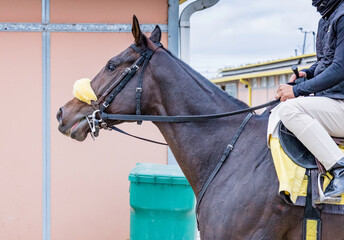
(89, 180)
(21, 136)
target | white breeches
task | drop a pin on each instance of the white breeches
(313, 120)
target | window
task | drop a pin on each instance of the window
(271, 81)
(282, 79)
(232, 89)
(263, 82)
(254, 83)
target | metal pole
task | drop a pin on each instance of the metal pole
(184, 24)
(314, 45)
(173, 46)
(304, 43)
(173, 26)
(46, 144)
(305, 38)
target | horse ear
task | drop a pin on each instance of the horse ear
(136, 31)
(156, 35)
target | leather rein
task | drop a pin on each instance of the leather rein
(97, 119)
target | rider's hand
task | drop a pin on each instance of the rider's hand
(285, 92)
(293, 77)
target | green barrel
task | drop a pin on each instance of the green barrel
(162, 203)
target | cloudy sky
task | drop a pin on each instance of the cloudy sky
(239, 32)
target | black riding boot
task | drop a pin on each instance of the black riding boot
(336, 186)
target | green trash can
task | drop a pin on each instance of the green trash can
(162, 203)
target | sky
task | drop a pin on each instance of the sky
(239, 32)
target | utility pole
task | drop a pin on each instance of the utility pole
(305, 38)
(314, 49)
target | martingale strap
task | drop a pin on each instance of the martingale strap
(225, 155)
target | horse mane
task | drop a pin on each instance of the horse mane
(200, 79)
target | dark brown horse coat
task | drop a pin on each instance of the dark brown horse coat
(242, 201)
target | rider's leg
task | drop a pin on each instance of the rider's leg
(313, 120)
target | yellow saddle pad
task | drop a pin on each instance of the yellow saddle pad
(292, 178)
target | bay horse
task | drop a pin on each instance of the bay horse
(242, 201)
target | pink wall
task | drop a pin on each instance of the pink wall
(89, 180)
(90, 197)
(20, 10)
(21, 136)
(105, 11)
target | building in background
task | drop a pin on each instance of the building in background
(256, 84)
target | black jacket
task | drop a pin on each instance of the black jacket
(326, 76)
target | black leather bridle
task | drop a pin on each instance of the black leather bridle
(98, 118)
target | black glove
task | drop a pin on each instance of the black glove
(297, 81)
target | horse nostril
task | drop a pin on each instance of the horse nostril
(59, 115)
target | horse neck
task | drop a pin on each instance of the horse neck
(197, 146)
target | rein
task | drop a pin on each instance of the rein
(97, 119)
(182, 119)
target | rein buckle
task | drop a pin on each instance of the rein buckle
(127, 70)
(135, 67)
(105, 105)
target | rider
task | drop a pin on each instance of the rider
(313, 119)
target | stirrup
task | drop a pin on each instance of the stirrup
(322, 199)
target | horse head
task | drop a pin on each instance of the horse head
(73, 116)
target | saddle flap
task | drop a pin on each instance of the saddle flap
(295, 150)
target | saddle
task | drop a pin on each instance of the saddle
(301, 156)
(315, 201)
(297, 152)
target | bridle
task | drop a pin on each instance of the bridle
(98, 118)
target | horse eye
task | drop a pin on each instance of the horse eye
(110, 67)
